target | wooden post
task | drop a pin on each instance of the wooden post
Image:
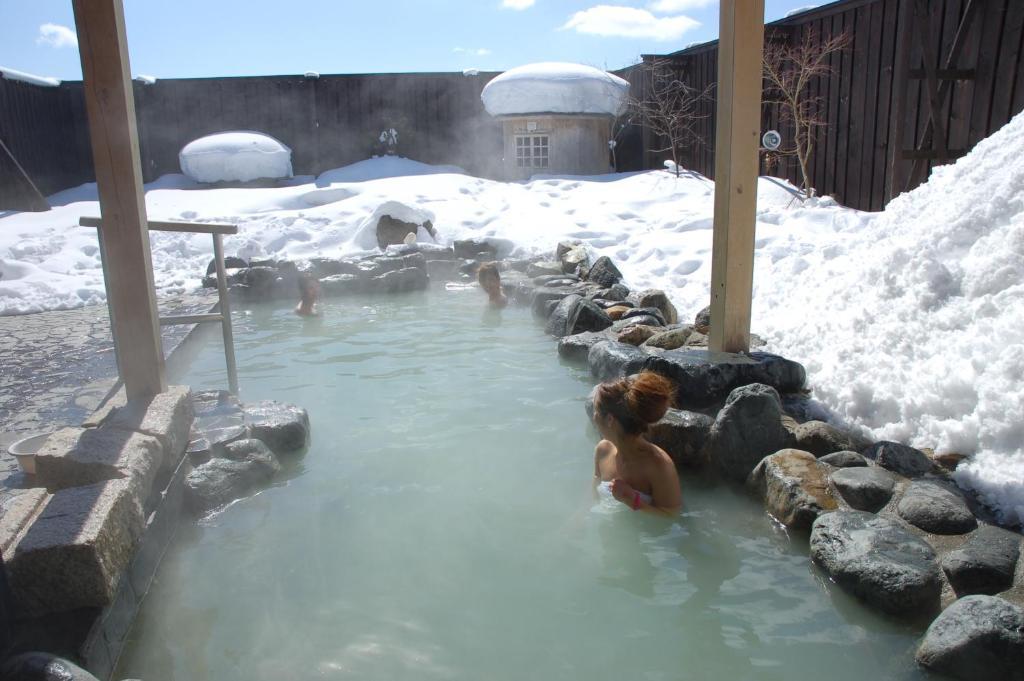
(115, 149)
(740, 46)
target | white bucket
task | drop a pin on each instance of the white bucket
(24, 450)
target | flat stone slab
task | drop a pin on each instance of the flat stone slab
(793, 486)
(986, 562)
(936, 507)
(977, 638)
(577, 347)
(611, 360)
(899, 458)
(18, 509)
(704, 378)
(865, 489)
(877, 561)
(84, 456)
(74, 552)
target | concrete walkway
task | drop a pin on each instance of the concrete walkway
(56, 367)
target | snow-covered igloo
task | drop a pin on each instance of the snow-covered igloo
(556, 117)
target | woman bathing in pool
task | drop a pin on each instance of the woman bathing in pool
(309, 293)
(490, 282)
(636, 472)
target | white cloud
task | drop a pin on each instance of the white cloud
(480, 51)
(669, 6)
(517, 4)
(56, 35)
(629, 22)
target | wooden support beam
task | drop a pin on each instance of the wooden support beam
(737, 138)
(110, 105)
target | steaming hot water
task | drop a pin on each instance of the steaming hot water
(442, 526)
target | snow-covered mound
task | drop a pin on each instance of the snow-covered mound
(235, 156)
(555, 87)
(381, 167)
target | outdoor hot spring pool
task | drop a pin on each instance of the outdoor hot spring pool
(442, 526)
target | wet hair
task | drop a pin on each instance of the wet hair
(308, 286)
(488, 269)
(636, 401)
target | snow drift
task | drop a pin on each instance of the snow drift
(555, 87)
(235, 156)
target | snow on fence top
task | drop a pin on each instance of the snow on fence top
(555, 87)
(41, 81)
(235, 156)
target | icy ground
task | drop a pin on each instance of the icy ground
(910, 322)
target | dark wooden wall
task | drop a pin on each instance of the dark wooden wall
(872, 106)
(854, 154)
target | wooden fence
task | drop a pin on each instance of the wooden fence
(913, 69)
(920, 84)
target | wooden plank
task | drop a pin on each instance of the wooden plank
(103, 48)
(884, 104)
(1018, 88)
(962, 94)
(736, 143)
(993, 15)
(875, 14)
(898, 123)
(858, 93)
(831, 147)
(845, 105)
(1007, 65)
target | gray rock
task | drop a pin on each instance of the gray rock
(577, 347)
(670, 339)
(340, 285)
(480, 249)
(704, 378)
(617, 292)
(645, 311)
(538, 269)
(793, 487)
(257, 283)
(702, 322)
(865, 489)
(588, 316)
(877, 561)
(747, 429)
(244, 466)
(636, 334)
(398, 281)
(656, 298)
(936, 507)
(604, 273)
(906, 461)
(986, 562)
(613, 360)
(84, 456)
(977, 638)
(820, 438)
(564, 247)
(683, 435)
(327, 267)
(573, 260)
(844, 460)
(697, 340)
(37, 666)
(559, 320)
(633, 320)
(441, 270)
(562, 279)
(393, 231)
(284, 428)
(73, 553)
(543, 295)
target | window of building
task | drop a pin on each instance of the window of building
(532, 151)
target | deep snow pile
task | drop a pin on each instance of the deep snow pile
(235, 156)
(555, 87)
(909, 322)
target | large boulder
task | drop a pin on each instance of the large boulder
(577, 347)
(542, 268)
(865, 488)
(636, 334)
(877, 561)
(475, 249)
(793, 487)
(656, 298)
(670, 339)
(37, 666)
(242, 467)
(702, 322)
(574, 260)
(340, 285)
(391, 231)
(588, 316)
(399, 281)
(977, 638)
(937, 507)
(543, 295)
(611, 360)
(844, 459)
(747, 429)
(899, 458)
(986, 562)
(284, 428)
(820, 438)
(704, 378)
(683, 435)
(559, 319)
(604, 273)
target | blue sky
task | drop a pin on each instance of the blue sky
(194, 38)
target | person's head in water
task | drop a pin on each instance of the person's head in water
(490, 281)
(309, 292)
(627, 407)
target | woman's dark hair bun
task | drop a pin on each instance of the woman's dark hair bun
(648, 397)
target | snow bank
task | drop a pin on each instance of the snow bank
(235, 156)
(41, 81)
(555, 87)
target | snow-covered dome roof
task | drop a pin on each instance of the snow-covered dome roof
(555, 87)
(235, 156)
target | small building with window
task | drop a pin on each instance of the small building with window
(556, 118)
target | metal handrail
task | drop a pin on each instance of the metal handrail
(223, 315)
